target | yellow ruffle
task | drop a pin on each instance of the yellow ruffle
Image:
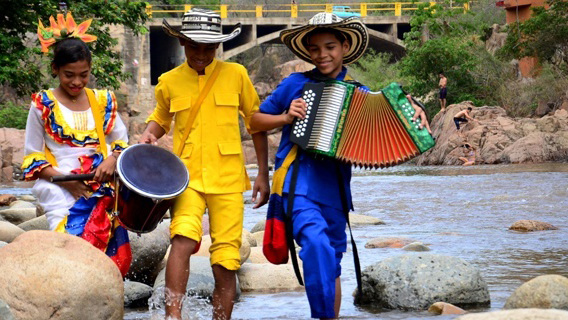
(118, 144)
(79, 135)
(31, 158)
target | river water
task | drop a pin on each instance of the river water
(457, 211)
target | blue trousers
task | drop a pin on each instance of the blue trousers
(320, 231)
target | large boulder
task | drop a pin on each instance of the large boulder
(148, 250)
(415, 281)
(545, 292)
(519, 314)
(9, 232)
(18, 215)
(38, 223)
(265, 277)
(497, 137)
(59, 276)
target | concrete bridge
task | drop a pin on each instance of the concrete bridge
(261, 25)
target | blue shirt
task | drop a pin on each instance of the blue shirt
(317, 178)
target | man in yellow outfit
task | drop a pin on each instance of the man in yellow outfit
(212, 153)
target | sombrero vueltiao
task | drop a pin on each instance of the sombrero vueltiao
(352, 28)
(202, 26)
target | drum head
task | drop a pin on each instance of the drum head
(152, 171)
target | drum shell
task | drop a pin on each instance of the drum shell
(132, 205)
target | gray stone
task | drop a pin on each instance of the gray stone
(258, 238)
(38, 223)
(518, 314)
(5, 313)
(2, 243)
(28, 198)
(259, 226)
(136, 294)
(360, 219)
(545, 292)
(18, 215)
(267, 277)
(416, 246)
(21, 204)
(9, 232)
(416, 281)
(148, 250)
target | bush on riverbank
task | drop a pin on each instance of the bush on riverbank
(13, 116)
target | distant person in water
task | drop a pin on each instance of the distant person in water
(419, 113)
(443, 90)
(469, 152)
(463, 116)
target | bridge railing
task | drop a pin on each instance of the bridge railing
(294, 10)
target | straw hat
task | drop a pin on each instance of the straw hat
(203, 26)
(353, 29)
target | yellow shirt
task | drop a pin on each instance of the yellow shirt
(213, 152)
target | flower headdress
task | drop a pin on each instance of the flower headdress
(61, 29)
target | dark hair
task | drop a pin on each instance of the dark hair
(340, 36)
(70, 50)
(441, 72)
(469, 108)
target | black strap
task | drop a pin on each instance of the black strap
(345, 208)
(288, 222)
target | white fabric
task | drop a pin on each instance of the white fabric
(55, 200)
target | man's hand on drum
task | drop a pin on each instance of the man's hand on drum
(105, 170)
(148, 137)
(77, 189)
(297, 109)
(260, 185)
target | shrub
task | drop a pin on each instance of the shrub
(13, 116)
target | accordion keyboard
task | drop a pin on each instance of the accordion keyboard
(325, 123)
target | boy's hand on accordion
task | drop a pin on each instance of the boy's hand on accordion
(297, 109)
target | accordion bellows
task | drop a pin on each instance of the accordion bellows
(365, 129)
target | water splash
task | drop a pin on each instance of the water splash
(193, 307)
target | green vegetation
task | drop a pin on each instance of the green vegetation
(24, 68)
(13, 116)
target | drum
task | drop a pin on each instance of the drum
(150, 178)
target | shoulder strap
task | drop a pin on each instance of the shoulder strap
(289, 214)
(98, 121)
(195, 107)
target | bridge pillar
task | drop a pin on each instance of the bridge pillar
(394, 31)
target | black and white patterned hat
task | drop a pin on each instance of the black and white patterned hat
(203, 26)
(353, 29)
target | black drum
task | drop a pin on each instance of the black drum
(150, 178)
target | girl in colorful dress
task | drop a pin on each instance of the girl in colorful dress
(63, 136)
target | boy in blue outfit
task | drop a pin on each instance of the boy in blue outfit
(322, 191)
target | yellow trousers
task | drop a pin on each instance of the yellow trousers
(225, 223)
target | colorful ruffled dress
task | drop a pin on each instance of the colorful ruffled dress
(71, 137)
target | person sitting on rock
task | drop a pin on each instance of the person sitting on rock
(419, 113)
(469, 152)
(67, 132)
(463, 116)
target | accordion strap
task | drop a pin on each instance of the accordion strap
(345, 209)
(289, 214)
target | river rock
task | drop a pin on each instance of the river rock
(416, 281)
(259, 226)
(28, 198)
(445, 308)
(136, 294)
(258, 238)
(256, 256)
(416, 246)
(38, 223)
(265, 277)
(545, 292)
(48, 273)
(360, 219)
(6, 199)
(244, 251)
(9, 232)
(249, 238)
(531, 225)
(18, 215)
(388, 243)
(5, 312)
(21, 204)
(518, 314)
(148, 250)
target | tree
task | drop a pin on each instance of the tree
(544, 35)
(23, 67)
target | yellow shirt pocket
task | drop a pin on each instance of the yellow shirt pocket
(231, 163)
(180, 106)
(227, 108)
